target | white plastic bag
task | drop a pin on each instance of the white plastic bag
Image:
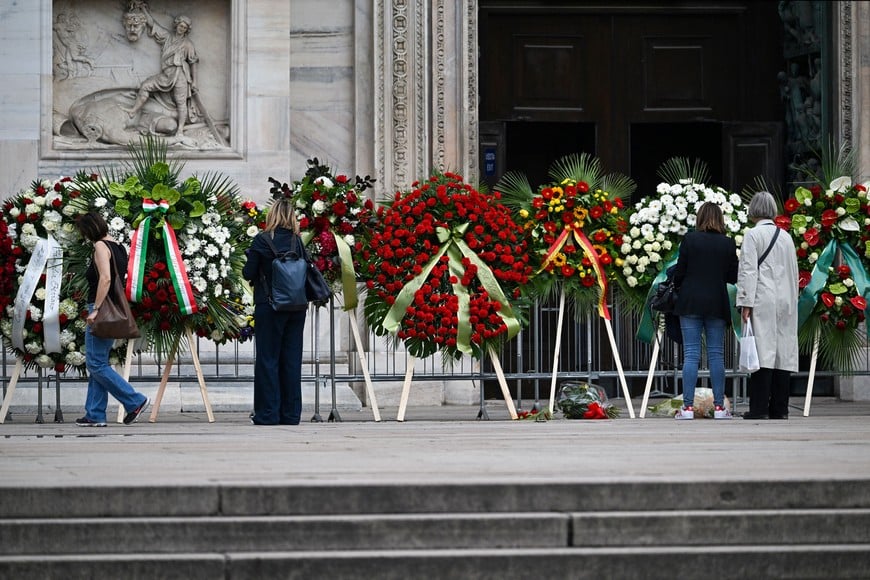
(748, 353)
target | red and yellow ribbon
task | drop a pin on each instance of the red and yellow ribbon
(136, 274)
(590, 253)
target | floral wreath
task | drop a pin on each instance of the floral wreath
(187, 245)
(443, 267)
(830, 224)
(45, 326)
(335, 222)
(657, 224)
(574, 228)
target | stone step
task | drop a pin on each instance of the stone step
(731, 562)
(487, 497)
(432, 531)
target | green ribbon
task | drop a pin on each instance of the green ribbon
(647, 328)
(455, 248)
(345, 262)
(809, 296)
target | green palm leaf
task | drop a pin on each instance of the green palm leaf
(618, 185)
(516, 191)
(676, 169)
(578, 167)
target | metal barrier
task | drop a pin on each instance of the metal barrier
(527, 360)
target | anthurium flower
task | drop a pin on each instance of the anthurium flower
(841, 184)
(803, 278)
(782, 221)
(858, 302)
(848, 224)
(828, 299)
(803, 195)
(829, 218)
(812, 236)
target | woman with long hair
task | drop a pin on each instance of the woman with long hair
(103, 380)
(707, 264)
(278, 338)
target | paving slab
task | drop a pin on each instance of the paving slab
(436, 444)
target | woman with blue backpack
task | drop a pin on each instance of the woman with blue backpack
(279, 332)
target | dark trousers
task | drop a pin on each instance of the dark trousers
(278, 369)
(768, 392)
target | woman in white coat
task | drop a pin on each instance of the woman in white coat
(767, 294)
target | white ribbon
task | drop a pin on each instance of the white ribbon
(48, 256)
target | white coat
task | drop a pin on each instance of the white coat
(771, 290)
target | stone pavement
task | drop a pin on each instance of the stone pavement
(436, 444)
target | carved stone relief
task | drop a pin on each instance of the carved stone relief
(125, 68)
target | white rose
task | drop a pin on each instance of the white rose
(632, 281)
(838, 300)
(252, 231)
(849, 282)
(15, 212)
(318, 207)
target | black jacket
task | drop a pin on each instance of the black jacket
(707, 263)
(260, 258)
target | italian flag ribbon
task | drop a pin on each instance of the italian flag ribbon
(136, 274)
(455, 248)
(590, 253)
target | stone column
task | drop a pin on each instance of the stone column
(425, 90)
(852, 122)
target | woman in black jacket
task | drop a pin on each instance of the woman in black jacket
(279, 335)
(707, 263)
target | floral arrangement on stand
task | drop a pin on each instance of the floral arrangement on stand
(45, 325)
(335, 222)
(444, 269)
(658, 222)
(574, 227)
(186, 245)
(829, 222)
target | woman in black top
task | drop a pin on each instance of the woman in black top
(103, 380)
(707, 263)
(278, 338)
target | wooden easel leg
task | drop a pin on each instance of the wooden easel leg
(812, 374)
(650, 373)
(503, 384)
(370, 391)
(10, 390)
(616, 358)
(125, 373)
(406, 388)
(199, 376)
(155, 408)
(557, 351)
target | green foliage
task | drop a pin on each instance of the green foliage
(676, 169)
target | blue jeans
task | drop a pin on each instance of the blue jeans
(278, 366)
(714, 331)
(103, 380)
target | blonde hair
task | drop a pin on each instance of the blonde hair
(282, 215)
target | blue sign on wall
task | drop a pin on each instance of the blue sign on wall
(489, 161)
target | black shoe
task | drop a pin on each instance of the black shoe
(85, 422)
(134, 414)
(748, 415)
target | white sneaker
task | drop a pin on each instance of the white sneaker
(685, 414)
(721, 413)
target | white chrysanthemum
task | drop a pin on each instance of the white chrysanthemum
(40, 293)
(35, 313)
(117, 223)
(200, 284)
(33, 347)
(44, 361)
(212, 273)
(75, 359)
(218, 290)
(66, 337)
(211, 251)
(199, 262)
(100, 202)
(192, 246)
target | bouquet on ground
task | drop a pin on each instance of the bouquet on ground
(829, 222)
(585, 401)
(335, 222)
(186, 245)
(444, 269)
(703, 405)
(574, 227)
(43, 322)
(658, 222)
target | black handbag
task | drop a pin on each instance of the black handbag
(114, 318)
(316, 288)
(664, 299)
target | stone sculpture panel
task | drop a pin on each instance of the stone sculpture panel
(124, 68)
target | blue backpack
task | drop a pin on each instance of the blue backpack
(289, 271)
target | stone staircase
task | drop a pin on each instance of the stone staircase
(743, 529)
